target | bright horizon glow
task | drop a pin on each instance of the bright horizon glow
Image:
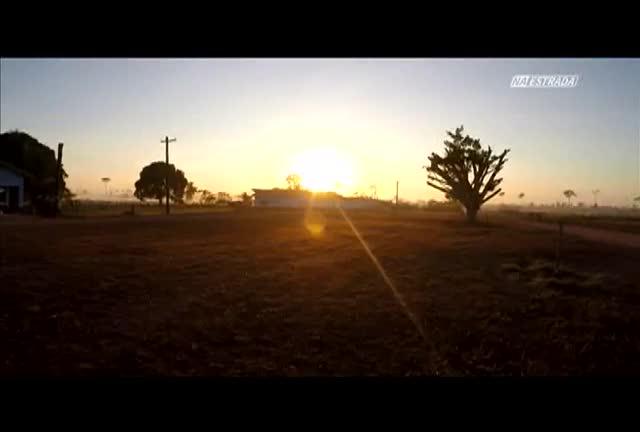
(244, 123)
(323, 170)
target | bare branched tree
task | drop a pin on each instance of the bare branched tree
(464, 156)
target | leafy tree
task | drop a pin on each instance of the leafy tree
(293, 182)
(24, 152)
(569, 194)
(190, 191)
(464, 156)
(151, 183)
(521, 195)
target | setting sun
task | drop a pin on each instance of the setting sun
(323, 170)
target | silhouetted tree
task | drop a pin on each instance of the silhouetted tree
(190, 191)
(223, 197)
(22, 151)
(207, 197)
(569, 194)
(463, 156)
(293, 182)
(521, 195)
(106, 181)
(151, 183)
(246, 198)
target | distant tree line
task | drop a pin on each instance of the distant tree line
(152, 185)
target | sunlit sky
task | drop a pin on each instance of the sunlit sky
(248, 123)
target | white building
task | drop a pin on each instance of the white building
(11, 188)
(303, 199)
(293, 198)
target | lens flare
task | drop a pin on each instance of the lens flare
(315, 222)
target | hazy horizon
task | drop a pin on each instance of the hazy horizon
(248, 123)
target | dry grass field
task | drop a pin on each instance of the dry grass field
(272, 292)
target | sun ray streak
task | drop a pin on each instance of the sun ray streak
(384, 275)
(434, 358)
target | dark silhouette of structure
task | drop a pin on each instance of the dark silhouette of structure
(44, 178)
(167, 173)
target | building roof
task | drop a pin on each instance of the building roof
(296, 193)
(20, 172)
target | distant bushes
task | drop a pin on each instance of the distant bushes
(447, 206)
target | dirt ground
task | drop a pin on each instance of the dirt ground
(272, 292)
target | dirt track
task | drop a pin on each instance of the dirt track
(592, 234)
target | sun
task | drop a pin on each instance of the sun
(323, 170)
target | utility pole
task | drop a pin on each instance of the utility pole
(166, 176)
(58, 177)
(397, 192)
